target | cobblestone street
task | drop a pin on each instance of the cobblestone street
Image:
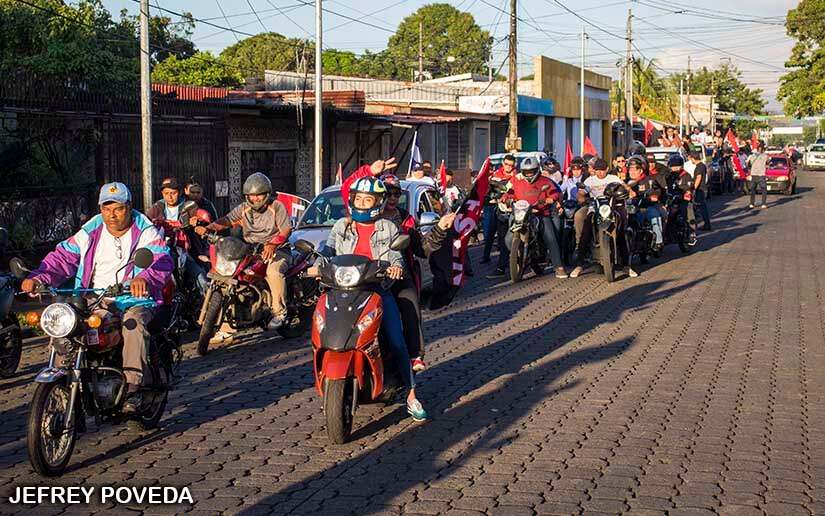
(696, 388)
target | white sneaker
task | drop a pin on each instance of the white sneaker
(750, 206)
(630, 272)
(222, 337)
(576, 272)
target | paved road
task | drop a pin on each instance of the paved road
(693, 389)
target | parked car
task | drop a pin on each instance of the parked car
(815, 156)
(496, 160)
(322, 213)
(781, 174)
(661, 154)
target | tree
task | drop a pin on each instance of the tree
(339, 62)
(268, 51)
(653, 96)
(727, 88)
(202, 69)
(453, 43)
(166, 37)
(802, 91)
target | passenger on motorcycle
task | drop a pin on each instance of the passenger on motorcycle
(571, 184)
(166, 214)
(649, 194)
(594, 186)
(681, 184)
(543, 195)
(194, 192)
(97, 256)
(366, 233)
(501, 214)
(551, 169)
(619, 166)
(263, 221)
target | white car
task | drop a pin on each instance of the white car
(815, 156)
(497, 159)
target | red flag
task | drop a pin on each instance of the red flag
(649, 128)
(754, 140)
(731, 139)
(589, 148)
(442, 176)
(568, 158)
(339, 175)
(294, 205)
(447, 263)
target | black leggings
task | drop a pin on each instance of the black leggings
(406, 295)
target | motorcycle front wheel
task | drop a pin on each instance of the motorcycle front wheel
(49, 446)
(11, 348)
(338, 403)
(517, 252)
(606, 253)
(210, 319)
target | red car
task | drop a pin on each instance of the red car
(781, 174)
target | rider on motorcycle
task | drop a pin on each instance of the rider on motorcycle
(498, 185)
(681, 184)
(550, 168)
(166, 214)
(650, 195)
(366, 233)
(594, 186)
(263, 221)
(97, 256)
(543, 195)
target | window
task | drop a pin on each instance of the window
(433, 200)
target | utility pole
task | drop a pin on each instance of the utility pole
(629, 82)
(145, 106)
(712, 101)
(513, 141)
(681, 106)
(581, 98)
(319, 100)
(421, 50)
(689, 75)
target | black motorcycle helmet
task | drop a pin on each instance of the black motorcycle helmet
(675, 160)
(636, 148)
(550, 163)
(530, 169)
(639, 160)
(578, 162)
(616, 191)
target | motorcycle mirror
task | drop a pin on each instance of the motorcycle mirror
(428, 218)
(18, 269)
(304, 246)
(143, 258)
(400, 242)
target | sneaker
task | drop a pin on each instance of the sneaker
(693, 240)
(630, 272)
(134, 403)
(222, 337)
(416, 410)
(750, 206)
(418, 364)
(561, 273)
(498, 273)
(764, 206)
(276, 322)
(576, 272)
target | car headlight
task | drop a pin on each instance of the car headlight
(58, 320)
(604, 211)
(347, 277)
(782, 178)
(226, 267)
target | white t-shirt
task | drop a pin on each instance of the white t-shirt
(425, 179)
(171, 213)
(106, 262)
(595, 186)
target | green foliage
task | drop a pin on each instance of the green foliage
(268, 51)
(340, 62)
(725, 84)
(448, 32)
(202, 69)
(167, 37)
(653, 96)
(803, 88)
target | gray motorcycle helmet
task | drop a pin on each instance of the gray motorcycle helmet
(530, 168)
(257, 184)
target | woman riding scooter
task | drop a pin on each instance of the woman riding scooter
(365, 233)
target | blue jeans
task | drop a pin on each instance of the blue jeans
(654, 216)
(551, 243)
(394, 331)
(701, 202)
(489, 224)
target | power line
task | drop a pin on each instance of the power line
(285, 15)
(249, 2)
(585, 20)
(226, 19)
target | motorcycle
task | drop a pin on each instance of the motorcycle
(568, 230)
(85, 375)
(604, 247)
(677, 230)
(640, 235)
(527, 248)
(11, 337)
(238, 293)
(350, 364)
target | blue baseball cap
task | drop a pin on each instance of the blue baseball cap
(114, 192)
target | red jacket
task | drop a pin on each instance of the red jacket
(543, 193)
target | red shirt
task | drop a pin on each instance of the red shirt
(542, 190)
(362, 245)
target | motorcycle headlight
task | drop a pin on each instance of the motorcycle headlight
(520, 210)
(58, 320)
(604, 211)
(347, 277)
(226, 267)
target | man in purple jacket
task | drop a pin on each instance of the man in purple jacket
(98, 256)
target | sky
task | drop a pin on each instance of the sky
(749, 33)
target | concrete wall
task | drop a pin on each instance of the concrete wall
(559, 82)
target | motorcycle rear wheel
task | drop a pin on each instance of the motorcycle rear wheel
(154, 401)
(11, 349)
(517, 252)
(606, 254)
(49, 447)
(291, 329)
(210, 318)
(338, 402)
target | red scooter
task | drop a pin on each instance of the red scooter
(350, 366)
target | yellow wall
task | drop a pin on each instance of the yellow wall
(559, 82)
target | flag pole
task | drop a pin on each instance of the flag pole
(412, 152)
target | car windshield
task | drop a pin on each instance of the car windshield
(327, 208)
(778, 163)
(817, 148)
